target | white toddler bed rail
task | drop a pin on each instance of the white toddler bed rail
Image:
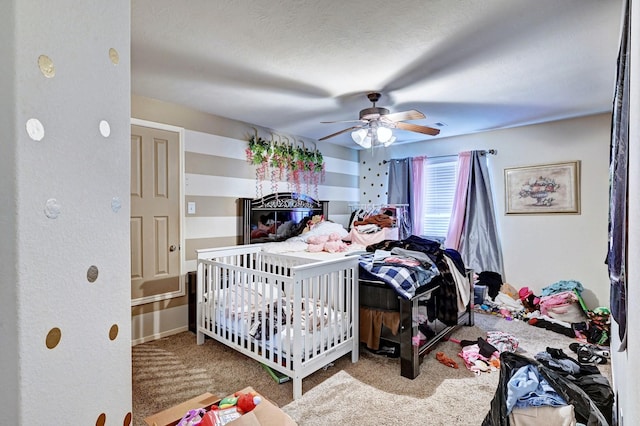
(292, 314)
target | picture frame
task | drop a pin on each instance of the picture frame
(543, 189)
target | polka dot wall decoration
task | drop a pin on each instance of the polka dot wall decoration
(105, 128)
(113, 332)
(92, 273)
(101, 420)
(35, 129)
(46, 66)
(53, 337)
(52, 208)
(116, 204)
(114, 56)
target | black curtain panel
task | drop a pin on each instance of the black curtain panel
(618, 186)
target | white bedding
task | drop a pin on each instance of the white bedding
(238, 315)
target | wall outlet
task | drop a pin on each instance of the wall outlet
(191, 207)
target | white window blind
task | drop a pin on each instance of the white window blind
(440, 186)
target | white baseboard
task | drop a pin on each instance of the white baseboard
(157, 336)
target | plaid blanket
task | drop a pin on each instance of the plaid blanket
(405, 280)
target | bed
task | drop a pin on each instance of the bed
(379, 293)
(450, 307)
(295, 313)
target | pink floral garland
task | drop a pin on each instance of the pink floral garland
(299, 167)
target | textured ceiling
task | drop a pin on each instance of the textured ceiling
(471, 65)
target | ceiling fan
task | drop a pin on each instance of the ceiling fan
(376, 124)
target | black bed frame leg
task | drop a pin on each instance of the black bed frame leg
(409, 358)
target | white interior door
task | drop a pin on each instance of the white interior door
(155, 215)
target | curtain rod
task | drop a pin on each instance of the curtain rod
(483, 152)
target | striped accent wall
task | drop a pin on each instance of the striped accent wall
(217, 174)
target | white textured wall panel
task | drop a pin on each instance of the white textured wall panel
(72, 170)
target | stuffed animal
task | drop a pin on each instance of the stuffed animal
(330, 243)
(243, 402)
(247, 401)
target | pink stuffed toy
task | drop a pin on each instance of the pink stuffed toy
(318, 239)
(330, 243)
(316, 243)
(335, 246)
(315, 248)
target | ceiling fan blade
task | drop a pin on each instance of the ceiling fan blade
(340, 132)
(416, 128)
(405, 115)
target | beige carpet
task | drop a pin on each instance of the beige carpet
(369, 392)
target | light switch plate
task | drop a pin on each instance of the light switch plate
(191, 207)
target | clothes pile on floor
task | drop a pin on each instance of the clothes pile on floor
(559, 307)
(483, 355)
(552, 389)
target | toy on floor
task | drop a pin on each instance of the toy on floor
(247, 401)
(230, 408)
(444, 359)
(244, 402)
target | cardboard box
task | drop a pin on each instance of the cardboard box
(265, 414)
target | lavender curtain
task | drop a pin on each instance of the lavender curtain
(479, 242)
(618, 190)
(417, 200)
(400, 192)
(460, 202)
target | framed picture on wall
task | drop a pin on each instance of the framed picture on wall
(543, 189)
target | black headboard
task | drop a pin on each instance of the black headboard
(271, 217)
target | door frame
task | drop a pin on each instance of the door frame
(182, 290)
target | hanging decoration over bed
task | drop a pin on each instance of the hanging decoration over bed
(283, 161)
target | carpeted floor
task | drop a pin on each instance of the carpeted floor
(371, 391)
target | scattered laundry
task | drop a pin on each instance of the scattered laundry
(559, 308)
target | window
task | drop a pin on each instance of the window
(440, 187)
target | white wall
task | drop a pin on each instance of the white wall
(65, 354)
(538, 250)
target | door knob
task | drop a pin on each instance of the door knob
(172, 247)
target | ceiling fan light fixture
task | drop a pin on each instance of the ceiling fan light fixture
(366, 137)
(384, 134)
(362, 137)
(378, 125)
(359, 135)
(366, 142)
